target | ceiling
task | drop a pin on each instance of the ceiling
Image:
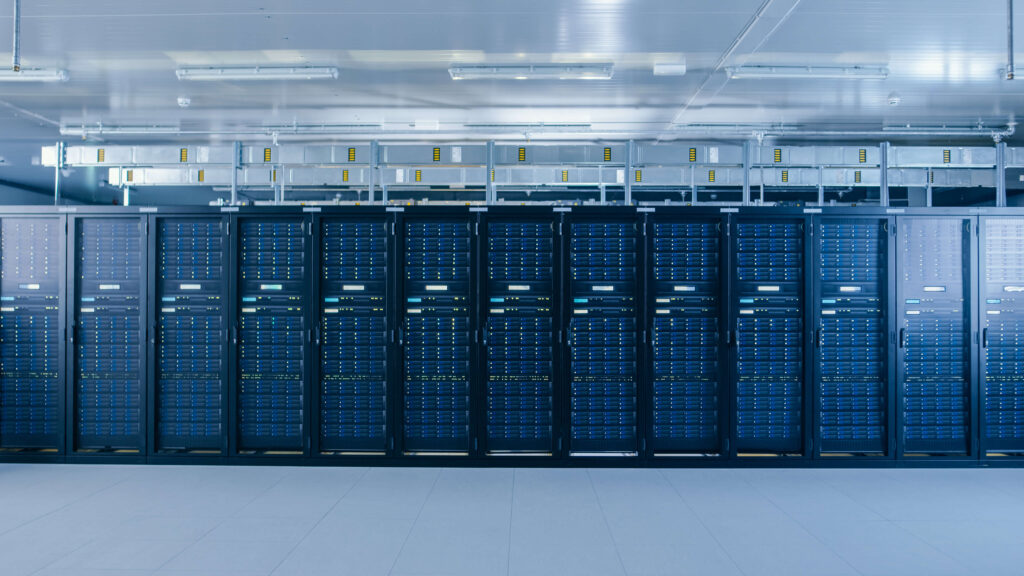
(945, 59)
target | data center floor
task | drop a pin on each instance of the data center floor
(124, 520)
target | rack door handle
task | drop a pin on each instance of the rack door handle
(984, 337)
(903, 337)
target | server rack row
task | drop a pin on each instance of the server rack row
(565, 334)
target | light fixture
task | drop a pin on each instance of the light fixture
(531, 71)
(259, 73)
(813, 72)
(670, 68)
(33, 75)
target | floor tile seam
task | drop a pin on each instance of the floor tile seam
(803, 527)
(220, 523)
(64, 507)
(704, 525)
(412, 525)
(320, 520)
(607, 523)
(511, 514)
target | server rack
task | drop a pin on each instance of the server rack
(687, 273)
(604, 333)
(351, 335)
(768, 319)
(189, 335)
(1002, 340)
(271, 397)
(936, 348)
(436, 331)
(852, 369)
(519, 319)
(31, 336)
(107, 335)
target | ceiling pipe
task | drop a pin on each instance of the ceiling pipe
(717, 132)
(1009, 39)
(16, 58)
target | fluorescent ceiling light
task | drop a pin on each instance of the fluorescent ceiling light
(839, 72)
(33, 75)
(531, 71)
(259, 73)
(670, 68)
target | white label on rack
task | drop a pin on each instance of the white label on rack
(330, 310)
(562, 209)
(729, 210)
(395, 209)
(191, 286)
(685, 288)
(229, 208)
(399, 176)
(934, 288)
(713, 154)
(148, 209)
(167, 310)
(311, 209)
(29, 286)
(747, 311)
(580, 311)
(271, 287)
(437, 287)
(913, 312)
(87, 310)
(662, 311)
(7, 309)
(769, 288)
(353, 287)
(110, 286)
(992, 312)
(645, 209)
(1013, 288)
(620, 176)
(497, 310)
(894, 211)
(663, 300)
(414, 310)
(603, 288)
(849, 288)
(478, 208)
(812, 210)
(828, 312)
(248, 310)
(519, 287)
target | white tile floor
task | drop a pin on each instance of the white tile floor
(128, 520)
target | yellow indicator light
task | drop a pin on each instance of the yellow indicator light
(856, 176)
(693, 154)
(437, 154)
(565, 175)
(785, 175)
(638, 176)
(344, 175)
(522, 154)
(183, 155)
(711, 175)
(607, 154)
(862, 155)
(419, 175)
(101, 155)
(129, 175)
(266, 154)
(778, 154)
(351, 154)
(202, 175)
(946, 156)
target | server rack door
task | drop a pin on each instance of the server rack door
(519, 335)
(851, 344)
(603, 285)
(31, 299)
(934, 335)
(352, 335)
(190, 364)
(435, 334)
(768, 301)
(685, 327)
(108, 335)
(272, 332)
(1002, 321)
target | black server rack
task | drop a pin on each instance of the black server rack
(851, 336)
(107, 335)
(272, 335)
(519, 334)
(436, 334)
(603, 335)
(1002, 321)
(352, 335)
(685, 284)
(31, 339)
(768, 310)
(935, 335)
(190, 366)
